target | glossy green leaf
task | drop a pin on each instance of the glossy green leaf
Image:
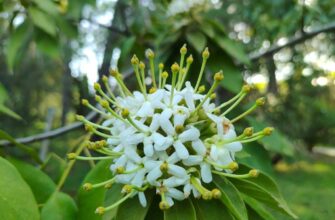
(5, 136)
(53, 166)
(233, 48)
(88, 201)
(138, 212)
(197, 40)
(48, 6)
(60, 206)
(17, 40)
(42, 20)
(16, 198)
(211, 210)
(262, 188)
(40, 183)
(276, 142)
(257, 207)
(231, 198)
(181, 210)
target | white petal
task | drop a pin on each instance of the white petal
(187, 190)
(234, 146)
(143, 200)
(174, 181)
(230, 134)
(139, 177)
(166, 125)
(148, 147)
(206, 174)
(193, 160)
(151, 164)
(214, 152)
(113, 141)
(155, 122)
(176, 194)
(146, 110)
(199, 147)
(181, 150)
(173, 158)
(177, 171)
(191, 134)
(169, 200)
(179, 119)
(154, 174)
(132, 155)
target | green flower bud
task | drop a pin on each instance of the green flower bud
(205, 53)
(175, 68)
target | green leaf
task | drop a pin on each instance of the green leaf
(258, 208)
(137, 211)
(197, 40)
(42, 20)
(7, 111)
(88, 201)
(16, 41)
(47, 44)
(276, 142)
(233, 48)
(30, 151)
(262, 188)
(211, 210)
(60, 206)
(40, 183)
(181, 210)
(16, 199)
(53, 166)
(48, 6)
(231, 198)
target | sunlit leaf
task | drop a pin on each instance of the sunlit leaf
(42, 20)
(16, 198)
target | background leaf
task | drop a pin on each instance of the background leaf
(42, 20)
(197, 40)
(181, 210)
(60, 206)
(211, 210)
(16, 198)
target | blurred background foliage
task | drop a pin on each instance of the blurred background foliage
(52, 51)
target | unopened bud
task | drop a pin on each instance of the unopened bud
(113, 72)
(248, 131)
(71, 156)
(175, 68)
(201, 89)
(216, 193)
(254, 173)
(165, 75)
(161, 66)
(205, 53)
(233, 166)
(84, 102)
(150, 54)
(183, 50)
(213, 96)
(134, 60)
(100, 210)
(207, 195)
(189, 59)
(268, 131)
(218, 76)
(87, 186)
(260, 101)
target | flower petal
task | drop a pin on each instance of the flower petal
(206, 174)
(181, 150)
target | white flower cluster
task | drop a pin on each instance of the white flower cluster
(172, 138)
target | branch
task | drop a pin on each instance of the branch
(293, 41)
(58, 131)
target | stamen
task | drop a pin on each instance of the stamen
(205, 56)
(102, 210)
(232, 166)
(85, 102)
(151, 56)
(160, 67)
(252, 173)
(189, 61)
(125, 114)
(165, 75)
(84, 120)
(205, 193)
(119, 80)
(109, 90)
(234, 105)
(183, 52)
(245, 89)
(135, 62)
(95, 131)
(98, 89)
(175, 69)
(89, 186)
(73, 156)
(259, 102)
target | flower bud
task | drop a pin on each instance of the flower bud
(113, 72)
(161, 66)
(216, 193)
(175, 68)
(87, 186)
(207, 195)
(98, 98)
(260, 101)
(268, 131)
(142, 65)
(213, 96)
(125, 113)
(134, 60)
(201, 89)
(253, 173)
(189, 59)
(104, 79)
(100, 210)
(183, 50)
(71, 156)
(84, 102)
(104, 103)
(97, 86)
(150, 54)
(165, 75)
(205, 53)
(218, 76)
(233, 166)
(248, 131)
